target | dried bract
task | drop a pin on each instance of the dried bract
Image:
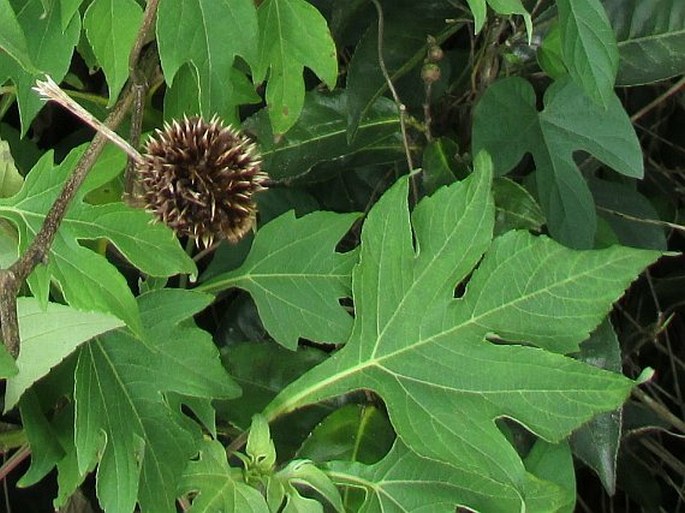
(199, 178)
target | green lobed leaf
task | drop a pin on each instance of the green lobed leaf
(122, 414)
(12, 38)
(651, 39)
(111, 27)
(296, 281)
(570, 122)
(588, 47)
(319, 136)
(405, 482)
(207, 44)
(217, 487)
(404, 49)
(87, 280)
(49, 47)
(292, 35)
(428, 354)
(48, 336)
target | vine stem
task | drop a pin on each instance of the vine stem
(12, 278)
(401, 108)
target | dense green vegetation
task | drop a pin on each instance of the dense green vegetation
(462, 289)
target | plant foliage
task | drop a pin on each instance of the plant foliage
(407, 329)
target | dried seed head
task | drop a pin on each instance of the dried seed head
(199, 178)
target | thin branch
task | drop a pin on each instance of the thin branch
(401, 108)
(657, 222)
(680, 84)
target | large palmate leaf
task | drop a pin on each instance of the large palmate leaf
(122, 394)
(429, 355)
(87, 280)
(570, 122)
(296, 284)
(292, 35)
(49, 48)
(111, 26)
(209, 34)
(588, 47)
(651, 39)
(48, 336)
(405, 482)
(320, 136)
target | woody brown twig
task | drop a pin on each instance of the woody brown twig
(11, 279)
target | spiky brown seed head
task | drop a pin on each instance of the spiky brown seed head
(199, 179)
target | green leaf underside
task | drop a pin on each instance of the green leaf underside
(293, 34)
(217, 486)
(425, 352)
(112, 26)
(651, 39)
(320, 136)
(404, 481)
(122, 414)
(86, 279)
(209, 46)
(48, 336)
(588, 47)
(49, 47)
(296, 283)
(570, 122)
